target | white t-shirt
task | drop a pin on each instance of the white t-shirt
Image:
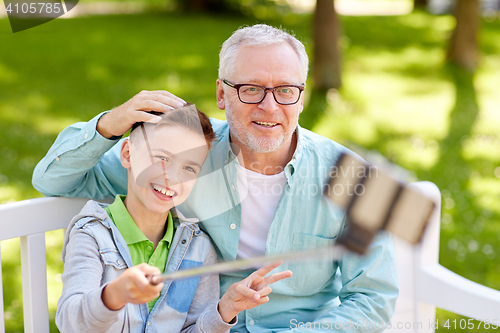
(259, 196)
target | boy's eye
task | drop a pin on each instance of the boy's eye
(162, 158)
(190, 169)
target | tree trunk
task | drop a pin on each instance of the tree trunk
(463, 44)
(420, 3)
(326, 32)
(203, 5)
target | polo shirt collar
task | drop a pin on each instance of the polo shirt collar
(129, 230)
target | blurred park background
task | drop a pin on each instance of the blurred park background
(421, 88)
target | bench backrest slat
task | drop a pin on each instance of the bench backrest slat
(37, 215)
(34, 277)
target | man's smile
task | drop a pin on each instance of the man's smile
(266, 124)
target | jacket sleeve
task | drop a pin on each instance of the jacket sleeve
(80, 307)
(81, 163)
(368, 294)
(203, 316)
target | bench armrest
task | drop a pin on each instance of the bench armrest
(447, 290)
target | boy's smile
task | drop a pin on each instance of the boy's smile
(163, 192)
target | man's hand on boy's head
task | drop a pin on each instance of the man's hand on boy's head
(131, 287)
(119, 120)
(250, 292)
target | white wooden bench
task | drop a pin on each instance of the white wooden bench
(424, 283)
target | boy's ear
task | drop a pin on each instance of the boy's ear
(125, 154)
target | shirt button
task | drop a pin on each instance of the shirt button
(251, 322)
(57, 158)
(118, 262)
(86, 135)
(232, 226)
(234, 188)
(149, 247)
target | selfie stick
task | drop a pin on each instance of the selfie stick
(333, 253)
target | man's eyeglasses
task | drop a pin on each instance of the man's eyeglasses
(254, 94)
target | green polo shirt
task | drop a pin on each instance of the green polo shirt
(140, 247)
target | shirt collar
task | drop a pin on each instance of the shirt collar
(292, 166)
(127, 227)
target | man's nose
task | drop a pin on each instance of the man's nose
(269, 103)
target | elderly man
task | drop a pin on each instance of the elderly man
(262, 192)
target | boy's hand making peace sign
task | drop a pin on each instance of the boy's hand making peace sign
(250, 292)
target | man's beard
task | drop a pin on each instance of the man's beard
(260, 145)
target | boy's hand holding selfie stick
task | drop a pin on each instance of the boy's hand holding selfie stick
(131, 287)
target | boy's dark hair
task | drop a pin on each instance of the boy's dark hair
(187, 116)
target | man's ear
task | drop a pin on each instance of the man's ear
(220, 95)
(301, 105)
(125, 154)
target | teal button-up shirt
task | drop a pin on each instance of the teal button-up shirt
(356, 294)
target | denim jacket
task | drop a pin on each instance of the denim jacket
(95, 253)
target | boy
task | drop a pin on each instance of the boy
(110, 251)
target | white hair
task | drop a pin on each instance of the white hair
(259, 35)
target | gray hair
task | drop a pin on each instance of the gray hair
(259, 35)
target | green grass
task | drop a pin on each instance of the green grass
(397, 98)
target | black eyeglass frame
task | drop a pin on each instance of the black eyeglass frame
(238, 86)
